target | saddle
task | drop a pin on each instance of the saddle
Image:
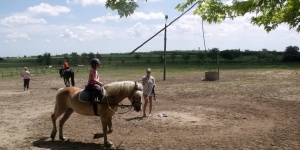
(91, 95)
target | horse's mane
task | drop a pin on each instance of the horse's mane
(125, 87)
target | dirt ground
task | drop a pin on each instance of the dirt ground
(245, 109)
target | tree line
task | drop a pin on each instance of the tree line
(291, 54)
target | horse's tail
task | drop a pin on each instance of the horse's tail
(57, 93)
(72, 79)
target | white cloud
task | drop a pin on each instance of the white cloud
(70, 34)
(135, 16)
(137, 30)
(17, 35)
(21, 20)
(44, 8)
(87, 2)
(103, 19)
(144, 16)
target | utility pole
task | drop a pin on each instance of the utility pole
(165, 46)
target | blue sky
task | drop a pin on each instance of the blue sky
(57, 27)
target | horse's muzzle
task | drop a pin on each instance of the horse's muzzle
(137, 107)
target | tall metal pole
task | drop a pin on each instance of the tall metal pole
(165, 46)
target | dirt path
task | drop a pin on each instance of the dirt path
(247, 109)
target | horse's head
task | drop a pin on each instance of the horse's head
(136, 98)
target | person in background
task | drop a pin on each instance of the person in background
(26, 77)
(148, 82)
(66, 65)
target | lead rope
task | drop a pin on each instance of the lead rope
(126, 136)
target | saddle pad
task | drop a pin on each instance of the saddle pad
(84, 96)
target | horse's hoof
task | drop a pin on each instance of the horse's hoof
(62, 138)
(110, 131)
(52, 136)
(108, 144)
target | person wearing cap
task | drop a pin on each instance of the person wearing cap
(94, 80)
(26, 77)
(148, 82)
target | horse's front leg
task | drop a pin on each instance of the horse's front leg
(104, 122)
(109, 124)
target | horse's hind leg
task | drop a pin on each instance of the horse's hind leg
(62, 121)
(54, 116)
(57, 112)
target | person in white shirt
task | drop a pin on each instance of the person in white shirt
(148, 82)
(26, 77)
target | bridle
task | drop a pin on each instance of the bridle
(134, 90)
(131, 97)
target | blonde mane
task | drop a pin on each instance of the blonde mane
(124, 87)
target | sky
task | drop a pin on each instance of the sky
(35, 27)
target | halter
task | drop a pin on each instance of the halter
(132, 103)
(134, 90)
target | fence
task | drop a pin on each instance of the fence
(36, 71)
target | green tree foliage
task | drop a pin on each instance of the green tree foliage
(91, 56)
(173, 56)
(98, 56)
(137, 57)
(213, 53)
(39, 59)
(266, 55)
(291, 54)
(47, 58)
(124, 7)
(75, 57)
(200, 56)
(1, 59)
(268, 13)
(186, 57)
(227, 54)
(84, 58)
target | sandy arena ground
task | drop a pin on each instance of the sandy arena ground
(246, 109)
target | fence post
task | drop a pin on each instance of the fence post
(2, 73)
(12, 75)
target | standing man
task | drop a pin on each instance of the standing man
(26, 77)
(148, 82)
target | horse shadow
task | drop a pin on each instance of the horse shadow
(47, 143)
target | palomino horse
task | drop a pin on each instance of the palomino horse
(67, 74)
(67, 101)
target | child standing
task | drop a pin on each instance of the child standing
(26, 77)
(148, 82)
(93, 81)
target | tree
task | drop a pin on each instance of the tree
(173, 56)
(39, 59)
(200, 56)
(75, 57)
(91, 56)
(84, 58)
(98, 56)
(47, 58)
(213, 54)
(227, 54)
(291, 54)
(186, 57)
(137, 57)
(268, 13)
